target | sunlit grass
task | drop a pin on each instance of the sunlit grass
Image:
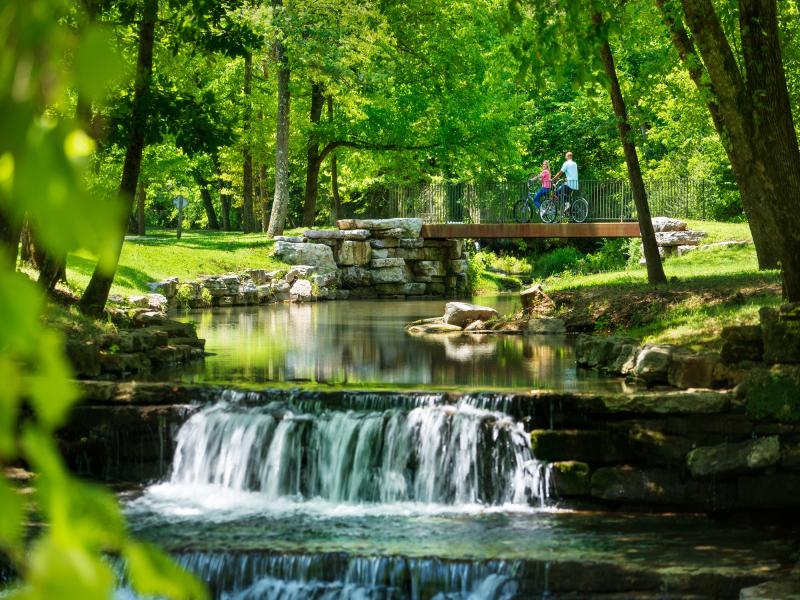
(160, 254)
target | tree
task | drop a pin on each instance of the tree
(655, 271)
(280, 202)
(749, 102)
(96, 293)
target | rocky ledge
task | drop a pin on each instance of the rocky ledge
(363, 258)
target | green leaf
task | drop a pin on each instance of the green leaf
(10, 393)
(152, 572)
(52, 392)
(12, 507)
(97, 63)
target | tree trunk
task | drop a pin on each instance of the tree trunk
(141, 197)
(208, 202)
(758, 121)
(27, 249)
(264, 196)
(739, 151)
(655, 271)
(248, 221)
(224, 200)
(280, 203)
(314, 162)
(336, 203)
(95, 296)
(9, 240)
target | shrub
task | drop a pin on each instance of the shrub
(558, 261)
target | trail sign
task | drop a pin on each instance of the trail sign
(180, 203)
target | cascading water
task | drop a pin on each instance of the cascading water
(431, 454)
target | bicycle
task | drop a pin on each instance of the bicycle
(576, 208)
(525, 208)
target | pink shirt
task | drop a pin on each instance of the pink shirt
(545, 175)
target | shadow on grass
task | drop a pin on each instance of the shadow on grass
(125, 276)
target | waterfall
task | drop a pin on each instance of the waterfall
(425, 451)
(339, 577)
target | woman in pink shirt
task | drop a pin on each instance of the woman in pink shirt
(545, 177)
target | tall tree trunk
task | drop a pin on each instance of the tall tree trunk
(208, 202)
(27, 248)
(224, 199)
(248, 222)
(141, 197)
(9, 240)
(735, 142)
(757, 118)
(314, 162)
(336, 203)
(655, 270)
(264, 196)
(95, 296)
(280, 203)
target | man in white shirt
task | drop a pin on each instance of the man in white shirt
(570, 172)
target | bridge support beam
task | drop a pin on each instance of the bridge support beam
(531, 230)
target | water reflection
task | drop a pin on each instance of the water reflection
(364, 343)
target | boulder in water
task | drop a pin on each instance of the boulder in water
(463, 313)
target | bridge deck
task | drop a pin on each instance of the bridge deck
(530, 230)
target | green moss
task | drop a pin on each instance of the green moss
(773, 395)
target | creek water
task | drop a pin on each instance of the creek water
(364, 344)
(403, 495)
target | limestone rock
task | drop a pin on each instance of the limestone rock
(302, 291)
(411, 226)
(389, 275)
(292, 239)
(355, 277)
(385, 243)
(546, 326)
(690, 370)
(411, 242)
(461, 313)
(324, 280)
(401, 289)
(429, 268)
(681, 402)
(381, 263)
(475, 326)
(668, 224)
(571, 478)
(679, 238)
(317, 255)
(259, 276)
(380, 253)
(299, 272)
(280, 290)
(457, 266)
(534, 297)
(734, 458)
(353, 253)
(780, 589)
(167, 287)
(652, 363)
(629, 484)
(428, 328)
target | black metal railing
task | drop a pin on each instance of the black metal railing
(609, 200)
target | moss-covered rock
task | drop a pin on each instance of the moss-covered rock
(773, 394)
(571, 478)
(593, 446)
(734, 458)
(780, 330)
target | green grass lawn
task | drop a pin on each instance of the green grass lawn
(159, 255)
(707, 290)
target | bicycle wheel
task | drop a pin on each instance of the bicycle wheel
(579, 210)
(548, 210)
(523, 211)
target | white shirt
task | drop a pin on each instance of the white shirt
(570, 171)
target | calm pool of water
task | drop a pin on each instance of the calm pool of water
(364, 343)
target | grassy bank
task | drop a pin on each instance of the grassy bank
(160, 254)
(707, 290)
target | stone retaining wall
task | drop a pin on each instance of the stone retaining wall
(382, 258)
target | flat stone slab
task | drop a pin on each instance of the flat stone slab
(293, 239)
(411, 227)
(381, 263)
(316, 255)
(681, 402)
(679, 238)
(428, 328)
(463, 313)
(337, 234)
(668, 224)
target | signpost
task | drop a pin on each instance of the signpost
(180, 203)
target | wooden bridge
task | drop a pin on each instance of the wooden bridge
(531, 230)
